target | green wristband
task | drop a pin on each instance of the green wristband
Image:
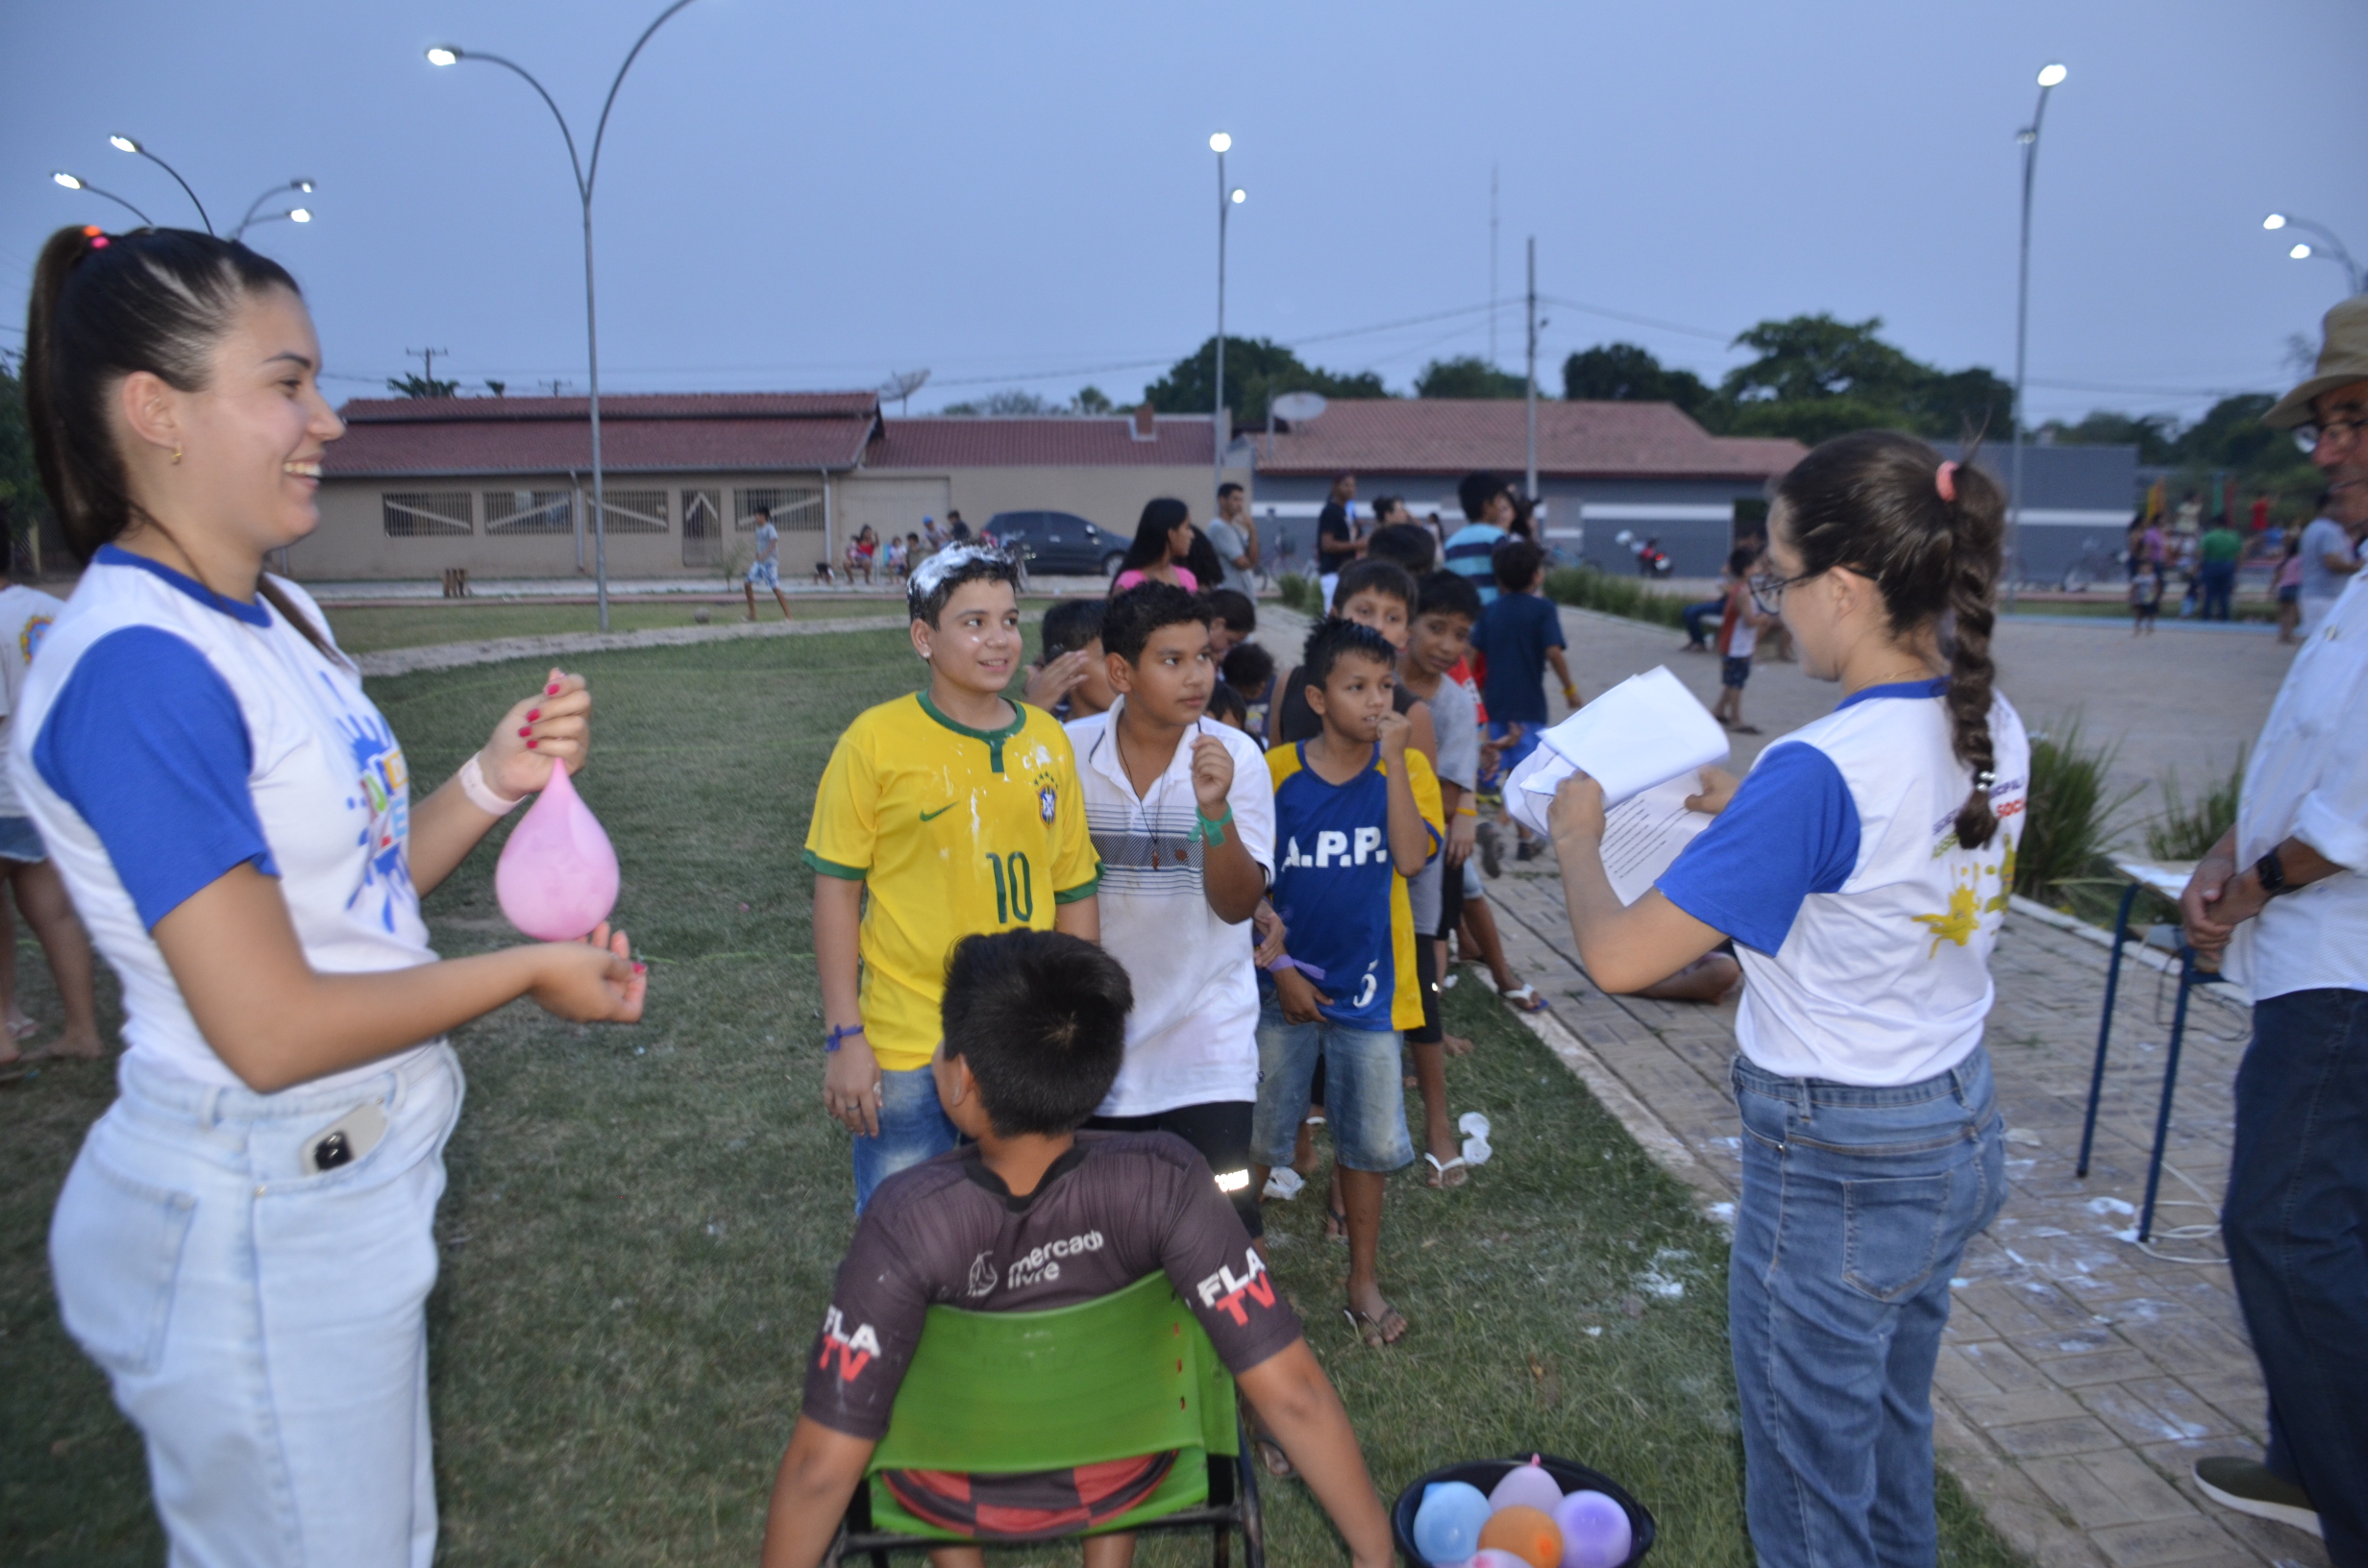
(1213, 828)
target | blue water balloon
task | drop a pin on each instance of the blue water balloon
(1447, 1525)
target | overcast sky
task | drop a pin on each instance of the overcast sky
(1022, 193)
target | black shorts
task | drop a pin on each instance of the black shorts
(1220, 1130)
(1450, 902)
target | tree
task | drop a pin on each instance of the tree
(1818, 378)
(416, 385)
(2153, 434)
(1624, 373)
(1009, 402)
(1092, 399)
(23, 501)
(497, 388)
(1257, 369)
(1468, 376)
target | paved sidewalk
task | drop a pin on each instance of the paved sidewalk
(403, 661)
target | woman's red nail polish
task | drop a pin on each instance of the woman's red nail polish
(530, 744)
(551, 690)
(534, 714)
(525, 730)
(641, 968)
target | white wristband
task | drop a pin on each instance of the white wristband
(481, 793)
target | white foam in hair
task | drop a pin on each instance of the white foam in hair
(938, 567)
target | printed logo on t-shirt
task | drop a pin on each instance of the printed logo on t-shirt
(982, 1276)
(1042, 1265)
(384, 785)
(1224, 1290)
(1336, 849)
(29, 640)
(852, 1351)
(1963, 920)
(1047, 799)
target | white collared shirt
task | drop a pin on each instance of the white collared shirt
(2308, 780)
(1193, 1037)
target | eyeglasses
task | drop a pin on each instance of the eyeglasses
(1768, 592)
(2333, 433)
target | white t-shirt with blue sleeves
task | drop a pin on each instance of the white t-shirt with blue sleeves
(167, 735)
(1864, 928)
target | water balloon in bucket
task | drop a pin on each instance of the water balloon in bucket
(1527, 1533)
(1595, 1530)
(557, 875)
(1526, 1485)
(1447, 1525)
(1493, 1557)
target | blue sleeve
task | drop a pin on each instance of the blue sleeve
(1553, 620)
(1480, 632)
(147, 742)
(1792, 830)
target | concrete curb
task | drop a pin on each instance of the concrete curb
(2227, 993)
(404, 661)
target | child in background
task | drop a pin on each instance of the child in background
(1250, 669)
(1227, 707)
(2288, 583)
(26, 615)
(1069, 680)
(1233, 619)
(1356, 814)
(2146, 597)
(891, 559)
(1739, 633)
(1034, 1028)
(765, 571)
(913, 554)
(1520, 635)
(1375, 594)
(1863, 870)
(958, 812)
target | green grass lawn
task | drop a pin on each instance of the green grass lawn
(413, 624)
(643, 1222)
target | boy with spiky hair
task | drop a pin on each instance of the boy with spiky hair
(1034, 1032)
(959, 812)
(1067, 681)
(1356, 814)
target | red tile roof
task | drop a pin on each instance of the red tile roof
(1575, 440)
(648, 434)
(955, 442)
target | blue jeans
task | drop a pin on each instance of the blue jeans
(2219, 583)
(1857, 1205)
(1696, 614)
(264, 1328)
(1363, 1093)
(2298, 1184)
(912, 1128)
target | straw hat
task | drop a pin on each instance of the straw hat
(2341, 362)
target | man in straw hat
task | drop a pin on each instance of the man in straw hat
(2283, 897)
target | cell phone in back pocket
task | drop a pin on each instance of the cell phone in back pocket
(346, 1139)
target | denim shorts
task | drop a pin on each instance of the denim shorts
(22, 841)
(1363, 1097)
(1513, 756)
(912, 1128)
(1733, 671)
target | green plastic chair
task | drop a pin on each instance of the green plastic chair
(1009, 1393)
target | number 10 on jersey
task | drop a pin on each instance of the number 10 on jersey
(1014, 889)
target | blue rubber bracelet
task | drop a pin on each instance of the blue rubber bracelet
(837, 1037)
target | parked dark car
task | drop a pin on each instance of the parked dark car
(1061, 543)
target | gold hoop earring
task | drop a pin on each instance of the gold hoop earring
(175, 456)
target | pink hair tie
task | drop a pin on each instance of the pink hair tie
(1945, 482)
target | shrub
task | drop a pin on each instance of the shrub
(2067, 829)
(1590, 588)
(1301, 594)
(2183, 830)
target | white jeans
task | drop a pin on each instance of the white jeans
(264, 1328)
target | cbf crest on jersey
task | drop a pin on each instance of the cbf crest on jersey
(1047, 799)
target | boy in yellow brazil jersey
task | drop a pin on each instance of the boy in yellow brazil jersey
(960, 813)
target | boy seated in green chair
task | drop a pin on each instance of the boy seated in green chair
(1035, 1215)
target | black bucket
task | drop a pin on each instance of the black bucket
(1485, 1474)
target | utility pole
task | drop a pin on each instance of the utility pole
(1532, 491)
(1492, 263)
(557, 387)
(427, 357)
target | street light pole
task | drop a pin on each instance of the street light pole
(2339, 255)
(75, 181)
(2050, 76)
(298, 214)
(127, 145)
(1219, 144)
(1532, 392)
(585, 175)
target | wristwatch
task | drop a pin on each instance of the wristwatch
(2271, 870)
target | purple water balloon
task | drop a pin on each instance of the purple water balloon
(1595, 1530)
(1526, 1485)
(557, 875)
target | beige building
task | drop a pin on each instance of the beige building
(502, 487)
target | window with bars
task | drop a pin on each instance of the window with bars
(412, 514)
(797, 509)
(529, 511)
(703, 528)
(636, 511)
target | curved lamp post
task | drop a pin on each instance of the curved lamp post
(2051, 76)
(1227, 198)
(2334, 252)
(585, 173)
(126, 144)
(294, 214)
(75, 181)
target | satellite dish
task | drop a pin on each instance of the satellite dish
(902, 384)
(1299, 407)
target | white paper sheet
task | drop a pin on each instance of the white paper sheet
(1643, 833)
(1647, 730)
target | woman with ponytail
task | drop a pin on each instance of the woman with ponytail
(1861, 870)
(244, 1243)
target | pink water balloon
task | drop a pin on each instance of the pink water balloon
(557, 875)
(1490, 1556)
(1526, 1485)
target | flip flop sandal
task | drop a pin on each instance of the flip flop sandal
(1438, 1177)
(1270, 1454)
(1525, 998)
(1375, 1331)
(1335, 1225)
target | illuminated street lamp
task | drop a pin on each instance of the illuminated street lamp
(125, 144)
(75, 181)
(447, 54)
(294, 214)
(1227, 199)
(2051, 76)
(2334, 250)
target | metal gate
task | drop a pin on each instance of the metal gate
(703, 528)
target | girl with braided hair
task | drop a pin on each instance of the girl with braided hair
(1861, 870)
